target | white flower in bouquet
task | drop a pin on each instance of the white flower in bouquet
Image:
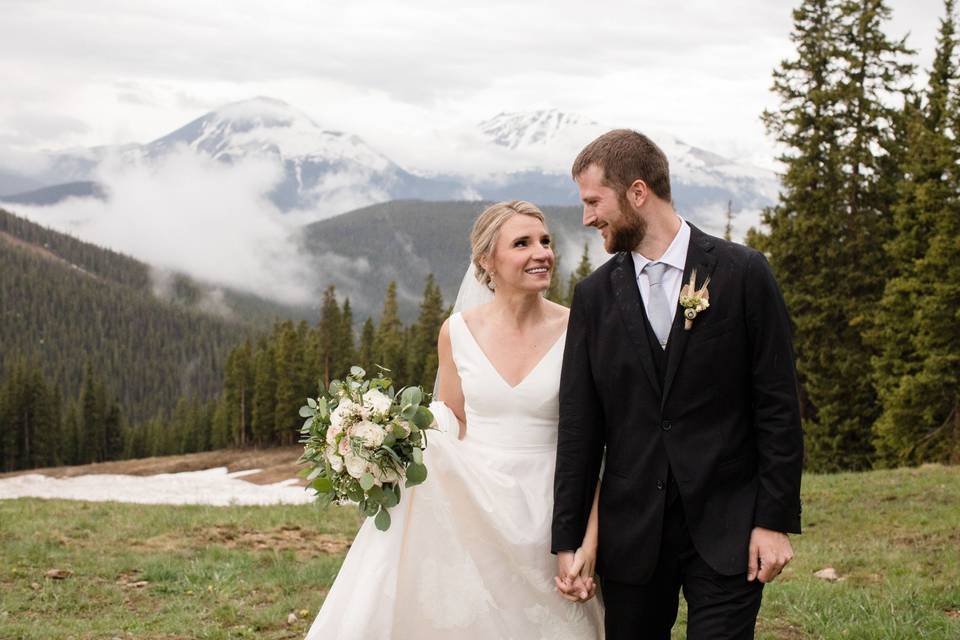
(346, 413)
(377, 401)
(355, 465)
(344, 447)
(333, 431)
(371, 433)
(335, 459)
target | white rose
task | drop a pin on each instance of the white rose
(344, 447)
(345, 413)
(333, 431)
(336, 462)
(371, 433)
(356, 466)
(377, 401)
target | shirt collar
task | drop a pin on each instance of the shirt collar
(675, 255)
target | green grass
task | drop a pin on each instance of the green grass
(238, 572)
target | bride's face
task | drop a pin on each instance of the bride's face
(523, 255)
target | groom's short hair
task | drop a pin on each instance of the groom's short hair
(624, 156)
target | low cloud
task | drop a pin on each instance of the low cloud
(189, 213)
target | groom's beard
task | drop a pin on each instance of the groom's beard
(629, 232)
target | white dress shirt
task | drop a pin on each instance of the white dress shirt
(676, 258)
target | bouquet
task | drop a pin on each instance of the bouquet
(361, 440)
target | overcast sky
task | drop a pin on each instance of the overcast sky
(96, 72)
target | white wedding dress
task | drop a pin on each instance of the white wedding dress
(468, 553)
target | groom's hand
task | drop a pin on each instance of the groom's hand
(770, 551)
(569, 582)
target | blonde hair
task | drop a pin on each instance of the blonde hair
(486, 230)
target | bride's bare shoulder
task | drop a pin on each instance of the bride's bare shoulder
(558, 312)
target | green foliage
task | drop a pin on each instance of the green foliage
(826, 236)
(916, 328)
(584, 268)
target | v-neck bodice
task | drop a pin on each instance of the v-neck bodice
(524, 415)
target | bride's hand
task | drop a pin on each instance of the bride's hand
(576, 582)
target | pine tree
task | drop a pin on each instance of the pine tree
(289, 379)
(367, 346)
(345, 340)
(330, 328)
(584, 268)
(825, 237)
(915, 327)
(264, 394)
(422, 346)
(728, 221)
(389, 344)
(556, 293)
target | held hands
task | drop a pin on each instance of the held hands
(575, 581)
(770, 551)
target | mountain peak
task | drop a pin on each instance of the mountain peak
(531, 128)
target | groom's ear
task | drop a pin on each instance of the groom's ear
(638, 193)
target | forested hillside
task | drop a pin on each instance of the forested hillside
(65, 304)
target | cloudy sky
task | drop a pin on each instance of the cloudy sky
(97, 72)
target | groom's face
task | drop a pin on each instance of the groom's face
(620, 224)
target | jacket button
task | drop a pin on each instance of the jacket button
(665, 425)
(660, 485)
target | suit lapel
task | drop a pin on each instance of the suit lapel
(623, 278)
(700, 256)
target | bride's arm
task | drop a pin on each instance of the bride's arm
(449, 389)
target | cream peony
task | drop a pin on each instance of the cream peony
(335, 459)
(356, 466)
(346, 413)
(371, 433)
(377, 401)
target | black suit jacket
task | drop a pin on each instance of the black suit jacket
(726, 418)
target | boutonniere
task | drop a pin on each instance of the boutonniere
(694, 300)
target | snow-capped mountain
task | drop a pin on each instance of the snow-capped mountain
(537, 148)
(324, 172)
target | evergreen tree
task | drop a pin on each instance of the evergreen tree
(584, 268)
(915, 328)
(556, 293)
(331, 331)
(290, 394)
(264, 395)
(367, 346)
(826, 235)
(348, 348)
(422, 346)
(728, 222)
(389, 349)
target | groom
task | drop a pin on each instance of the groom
(699, 417)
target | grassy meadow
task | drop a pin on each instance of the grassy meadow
(136, 571)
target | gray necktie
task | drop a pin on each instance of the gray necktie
(658, 308)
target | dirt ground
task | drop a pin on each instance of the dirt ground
(276, 464)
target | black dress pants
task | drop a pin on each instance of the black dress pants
(718, 607)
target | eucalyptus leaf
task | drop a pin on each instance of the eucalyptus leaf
(357, 372)
(390, 499)
(306, 412)
(417, 454)
(416, 474)
(313, 474)
(321, 485)
(382, 520)
(423, 418)
(366, 481)
(311, 403)
(370, 508)
(324, 408)
(375, 494)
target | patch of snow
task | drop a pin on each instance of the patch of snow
(216, 487)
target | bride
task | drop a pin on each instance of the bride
(468, 553)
